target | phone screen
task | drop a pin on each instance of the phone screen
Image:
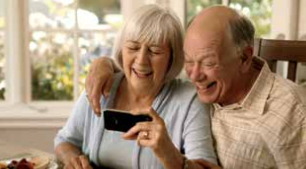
(118, 120)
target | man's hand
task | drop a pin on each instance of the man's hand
(206, 164)
(99, 81)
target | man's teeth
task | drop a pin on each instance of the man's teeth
(207, 86)
(211, 84)
(202, 87)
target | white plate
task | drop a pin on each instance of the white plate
(51, 163)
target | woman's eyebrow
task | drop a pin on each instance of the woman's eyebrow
(132, 41)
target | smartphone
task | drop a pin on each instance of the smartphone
(119, 120)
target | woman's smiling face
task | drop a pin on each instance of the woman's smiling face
(145, 65)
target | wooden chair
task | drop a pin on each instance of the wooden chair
(281, 50)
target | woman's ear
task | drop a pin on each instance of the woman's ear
(246, 59)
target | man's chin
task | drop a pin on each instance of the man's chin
(206, 99)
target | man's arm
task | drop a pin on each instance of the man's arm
(99, 81)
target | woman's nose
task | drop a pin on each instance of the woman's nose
(142, 56)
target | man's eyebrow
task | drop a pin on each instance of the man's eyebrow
(132, 41)
(202, 55)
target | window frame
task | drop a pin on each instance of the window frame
(18, 109)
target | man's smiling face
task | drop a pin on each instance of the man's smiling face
(212, 64)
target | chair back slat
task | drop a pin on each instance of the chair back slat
(281, 50)
(272, 65)
(292, 67)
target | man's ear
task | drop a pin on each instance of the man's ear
(246, 59)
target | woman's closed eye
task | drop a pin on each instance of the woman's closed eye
(132, 48)
(155, 50)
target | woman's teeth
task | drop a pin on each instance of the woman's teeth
(142, 73)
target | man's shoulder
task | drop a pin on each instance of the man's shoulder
(287, 92)
(285, 110)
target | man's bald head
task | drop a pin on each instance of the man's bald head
(226, 21)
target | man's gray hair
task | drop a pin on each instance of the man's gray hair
(156, 25)
(242, 31)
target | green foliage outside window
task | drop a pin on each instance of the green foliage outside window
(52, 79)
(259, 11)
(195, 6)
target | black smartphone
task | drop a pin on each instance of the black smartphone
(119, 120)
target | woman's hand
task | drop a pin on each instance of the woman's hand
(155, 136)
(151, 134)
(77, 162)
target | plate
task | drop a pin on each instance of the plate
(40, 162)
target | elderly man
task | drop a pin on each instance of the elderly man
(258, 118)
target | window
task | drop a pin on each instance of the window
(259, 11)
(195, 6)
(2, 58)
(65, 36)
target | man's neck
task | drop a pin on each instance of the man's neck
(250, 80)
(246, 83)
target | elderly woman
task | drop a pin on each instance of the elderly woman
(149, 51)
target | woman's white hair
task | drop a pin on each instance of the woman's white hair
(154, 24)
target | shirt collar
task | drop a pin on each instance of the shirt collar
(255, 100)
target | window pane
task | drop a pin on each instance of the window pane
(51, 14)
(195, 6)
(92, 46)
(301, 74)
(52, 66)
(2, 13)
(99, 14)
(2, 57)
(2, 66)
(259, 11)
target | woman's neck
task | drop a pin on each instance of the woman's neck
(129, 98)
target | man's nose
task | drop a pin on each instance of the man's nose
(196, 74)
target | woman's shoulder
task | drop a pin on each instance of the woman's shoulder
(182, 87)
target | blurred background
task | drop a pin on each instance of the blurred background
(47, 46)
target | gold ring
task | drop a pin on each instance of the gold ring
(146, 135)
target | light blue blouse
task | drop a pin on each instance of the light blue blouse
(186, 118)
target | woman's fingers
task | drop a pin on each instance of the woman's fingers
(151, 112)
(132, 134)
(144, 139)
